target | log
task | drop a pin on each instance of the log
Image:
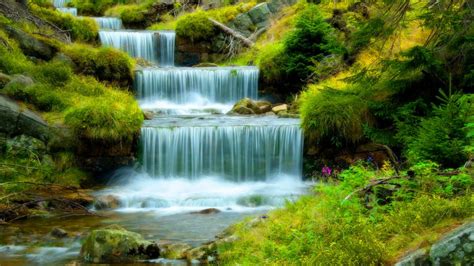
(232, 32)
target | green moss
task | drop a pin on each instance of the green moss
(107, 64)
(81, 29)
(96, 7)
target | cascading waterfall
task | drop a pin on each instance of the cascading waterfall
(61, 3)
(142, 44)
(68, 10)
(108, 23)
(182, 85)
(167, 44)
(237, 149)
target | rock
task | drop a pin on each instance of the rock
(455, 248)
(276, 5)
(243, 23)
(197, 254)
(30, 45)
(174, 251)
(113, 244)
(106, 202)
(148, 115)
(206, 65)
(23, 146)
(260, 15)
(17, 121)
(248, 106)
(59, 233)
(4, 79)
(280, 108)
(20, 80)
(207, 211)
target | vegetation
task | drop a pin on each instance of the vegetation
(337, 225)
(96, 7)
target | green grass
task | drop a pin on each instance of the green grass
(326, 229)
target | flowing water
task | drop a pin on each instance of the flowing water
(61, 3)
(68, 10)
(143, 44)
(108, 23)
(192, 157)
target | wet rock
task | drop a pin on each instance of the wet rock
(106, 202)
(280, 108)
(207, 211)
(248, 106)
(59, 233)
(113, 244)
(30, 45)
(174, 251)
(148, 115)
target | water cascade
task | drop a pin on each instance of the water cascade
(142, 44)
(61, 3)
(68, 10)
(183, 85)
(234, 148)
(108, 23)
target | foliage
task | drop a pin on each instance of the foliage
(327, 229)
(96, 7)
(197, 27)
(81, 29)
(107, 64)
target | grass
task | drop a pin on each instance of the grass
(326, 229)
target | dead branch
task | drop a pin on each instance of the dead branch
(372, 184)
(232, 32)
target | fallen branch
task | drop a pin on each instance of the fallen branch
(232, 32)
(372, 184)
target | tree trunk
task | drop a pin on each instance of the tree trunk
(232, 32)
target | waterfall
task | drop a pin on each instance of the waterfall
(181, 85)
(167, 44)
(237, 149)
(68, 10)
(61, 3)
(108, 23)
(142, 44)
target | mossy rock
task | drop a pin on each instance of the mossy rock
(114, 244)
(206, 65)
(4, 79)
(247, 106)
(30, 45)
(175, 251)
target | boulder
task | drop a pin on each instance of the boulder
(113, 244)
(148, 115)
(247, 106)
(59, 233)
(30, 45)
(106, 202)
(455, 248)
(276, 5)
(174, 251)
(260, 15)
(243, 23)
(17, 121)
(20, 80)
(280, 108)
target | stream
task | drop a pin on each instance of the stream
(192, 157)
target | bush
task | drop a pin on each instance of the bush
(81, 29)
(113, 117)
(131, 15)
(195, 26)
(330, 229)
(106, 64)
(333, 116)
(95, 7)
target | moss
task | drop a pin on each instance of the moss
(81, 29)
(96, 7)
(133, 15)
(107, 64)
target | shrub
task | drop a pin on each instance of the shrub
(195, 26)
(333, 116)
(131, 15)
(81, 29)
(95, 7)
(113, 117)
(106, 64)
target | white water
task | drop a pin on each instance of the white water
(68, 10)
(199, 106)
(233, 148)
(108, 23)
(139, 192)
(61, 3)
(185, 85)
(149, 45)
